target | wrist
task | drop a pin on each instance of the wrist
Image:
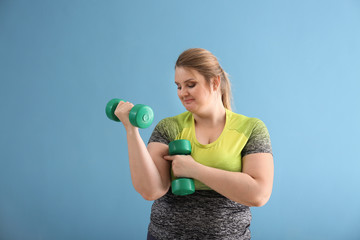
(197, 169)
(131, 130)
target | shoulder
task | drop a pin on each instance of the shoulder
(244, 124)
(174, 121)
(168, 128)
(256, 132)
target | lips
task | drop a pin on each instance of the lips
(187, 101)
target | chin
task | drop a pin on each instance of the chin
(188, 108)
(191, 109)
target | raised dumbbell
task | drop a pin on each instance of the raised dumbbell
(140, 115)
(181, 186)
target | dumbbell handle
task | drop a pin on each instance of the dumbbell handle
(140, 115)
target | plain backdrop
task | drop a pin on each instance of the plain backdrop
(64, 171)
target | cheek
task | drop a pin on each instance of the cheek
(179, 95)
(199, 92)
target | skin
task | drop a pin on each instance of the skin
(150, 166)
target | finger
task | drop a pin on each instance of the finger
(124, 107)
(129, 104)
(123, 104)
(169, 158)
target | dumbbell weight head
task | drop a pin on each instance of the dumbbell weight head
(180, 147)
(111, 107)
(181, 186)
(141, 116)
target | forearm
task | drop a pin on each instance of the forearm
(237, 186)
(145, 176)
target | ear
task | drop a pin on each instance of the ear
(216, 82)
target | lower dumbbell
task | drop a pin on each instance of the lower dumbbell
(140, 115)
(181, 186)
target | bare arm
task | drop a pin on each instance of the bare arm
(251, 187)
(150, 173)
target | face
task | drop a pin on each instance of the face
(193, 90)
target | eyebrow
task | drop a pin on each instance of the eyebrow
(185, 80)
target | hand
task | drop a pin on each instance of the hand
(183, 165)
(122, 112)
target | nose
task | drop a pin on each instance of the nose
(183, 92)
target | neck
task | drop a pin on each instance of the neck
(211, 118)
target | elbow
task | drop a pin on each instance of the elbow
(148, 197)
(151, 193)
(262, 195)
(153, 196)
(260, 200)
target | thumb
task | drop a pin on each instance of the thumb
(169, 158)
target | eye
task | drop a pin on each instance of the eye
(191, 85)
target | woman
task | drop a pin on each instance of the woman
(231, 160)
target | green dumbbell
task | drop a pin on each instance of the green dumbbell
(140, 115)
(181, 186)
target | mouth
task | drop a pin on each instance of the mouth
(187, 101)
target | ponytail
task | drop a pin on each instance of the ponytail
(226, 96)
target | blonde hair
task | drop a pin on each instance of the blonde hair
(207, 65)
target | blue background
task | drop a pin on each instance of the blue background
(64, 171)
